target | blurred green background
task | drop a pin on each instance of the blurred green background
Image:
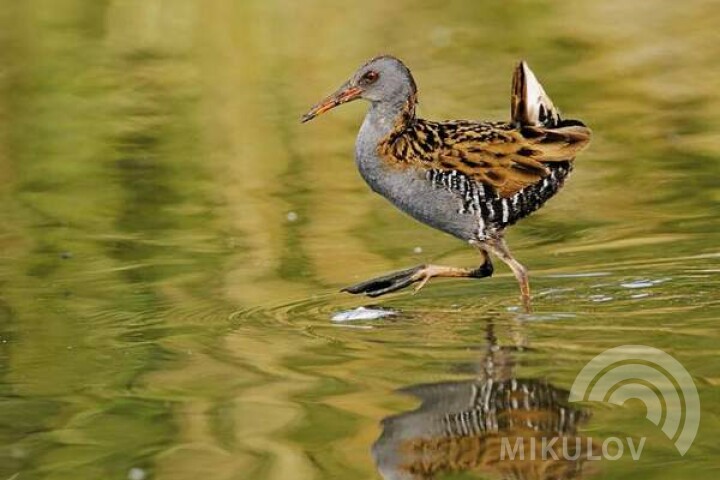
(172, 238)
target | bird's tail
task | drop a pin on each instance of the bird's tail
(530, 105)
(547, 133)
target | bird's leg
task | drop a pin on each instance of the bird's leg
(422, 274)
(499, 248)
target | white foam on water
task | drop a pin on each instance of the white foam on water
(362, 313)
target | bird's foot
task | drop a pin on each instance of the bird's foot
(391, 282)
(427, 272)
(422, 273)
(425, 277)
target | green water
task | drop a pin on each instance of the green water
(172, 239)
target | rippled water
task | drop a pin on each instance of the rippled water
(173, 240)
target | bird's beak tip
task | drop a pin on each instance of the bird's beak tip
(338, 98)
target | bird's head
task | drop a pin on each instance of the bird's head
(382, 79)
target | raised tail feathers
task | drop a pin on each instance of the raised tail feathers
(530, 105)
(540, 122)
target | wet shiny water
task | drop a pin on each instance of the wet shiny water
(173, 239)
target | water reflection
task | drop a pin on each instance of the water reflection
(154, 179)
(469, 425)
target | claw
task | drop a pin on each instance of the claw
(387, 283)
(423, 281)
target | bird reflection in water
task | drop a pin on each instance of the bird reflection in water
(460, 427)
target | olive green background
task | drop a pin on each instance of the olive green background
(159, 309)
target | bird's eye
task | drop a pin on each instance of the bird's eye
(370, 77)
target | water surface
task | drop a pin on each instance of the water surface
(173, 239)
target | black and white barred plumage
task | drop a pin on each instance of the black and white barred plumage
(493, 211)
(508, 405)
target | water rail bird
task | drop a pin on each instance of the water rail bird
(471, 179)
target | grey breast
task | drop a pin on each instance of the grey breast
(413, 192)
(411, 189)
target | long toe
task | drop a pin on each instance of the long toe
(385, 284)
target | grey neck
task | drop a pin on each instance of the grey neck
(379, 121)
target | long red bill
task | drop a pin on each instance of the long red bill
(344, 95)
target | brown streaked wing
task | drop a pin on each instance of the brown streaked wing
(495, 154)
